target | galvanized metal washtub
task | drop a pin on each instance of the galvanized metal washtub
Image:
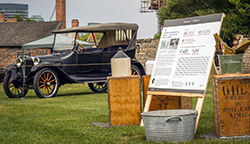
(170, 125)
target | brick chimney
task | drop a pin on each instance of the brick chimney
(2, 17)
(11, 20)
(61, 12)
(75, 23)
(91, 39)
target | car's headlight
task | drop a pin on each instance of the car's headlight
(36, 61)
(19, 62)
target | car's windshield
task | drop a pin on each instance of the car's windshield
(93, 38)
(65, 41)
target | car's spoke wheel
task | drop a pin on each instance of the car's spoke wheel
(13, 89)
(135, 70)
(102, 86)
(98, 87)
(46, 83)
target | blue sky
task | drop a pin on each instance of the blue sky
(99, 11)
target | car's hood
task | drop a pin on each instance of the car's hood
(49, 58)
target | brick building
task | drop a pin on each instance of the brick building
(14, 34)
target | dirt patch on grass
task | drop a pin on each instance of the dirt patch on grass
(125, 138)
(2, 106)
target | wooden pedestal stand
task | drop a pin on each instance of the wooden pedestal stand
(124, 100)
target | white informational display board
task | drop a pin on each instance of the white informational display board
(185, 54)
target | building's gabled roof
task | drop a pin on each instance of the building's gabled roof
(18, 33)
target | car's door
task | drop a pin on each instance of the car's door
(85, 62)
(69, 62)
(89, 61)
(106, 59)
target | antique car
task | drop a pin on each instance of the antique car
(75, 64)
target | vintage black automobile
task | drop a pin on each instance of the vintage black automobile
(75, 64)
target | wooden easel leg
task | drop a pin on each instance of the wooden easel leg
(147, 106)
(198, 108)
(214, 69)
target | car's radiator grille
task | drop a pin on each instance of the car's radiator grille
(28, 65)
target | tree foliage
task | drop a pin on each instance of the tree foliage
(86, 36)
(237, 20)
(157, 35)
(29, 20)
(20, 19)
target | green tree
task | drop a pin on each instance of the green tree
(237, 20)
(20, 19)
(84, 36)
(157, 35)
(29, 20)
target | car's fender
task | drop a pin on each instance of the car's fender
(10, 67)
(42, 65)
(15, 71)
(54, 66)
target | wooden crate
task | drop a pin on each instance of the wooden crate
(124, 100)
(231, 96)
(165, 102)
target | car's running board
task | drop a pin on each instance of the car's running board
(88, 79)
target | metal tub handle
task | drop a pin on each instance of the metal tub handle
(173, 117)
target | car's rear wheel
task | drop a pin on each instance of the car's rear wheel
(46, 83)
(13, 89)
(102, 86)
(98, 87)
(135, 70)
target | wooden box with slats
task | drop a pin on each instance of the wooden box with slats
(165, 102)
(231, 96)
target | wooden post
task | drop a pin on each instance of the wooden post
(147, 105)
(214, 70)
(198, 108)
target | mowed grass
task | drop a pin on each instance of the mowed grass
(67, 118)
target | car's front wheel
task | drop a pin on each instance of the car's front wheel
(13, 89)
(46, 83)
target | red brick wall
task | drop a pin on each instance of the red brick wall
(2, 17)
(9, 55)
(11, 20)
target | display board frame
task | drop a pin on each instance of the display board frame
(163, 76)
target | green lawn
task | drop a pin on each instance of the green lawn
(67, 118)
